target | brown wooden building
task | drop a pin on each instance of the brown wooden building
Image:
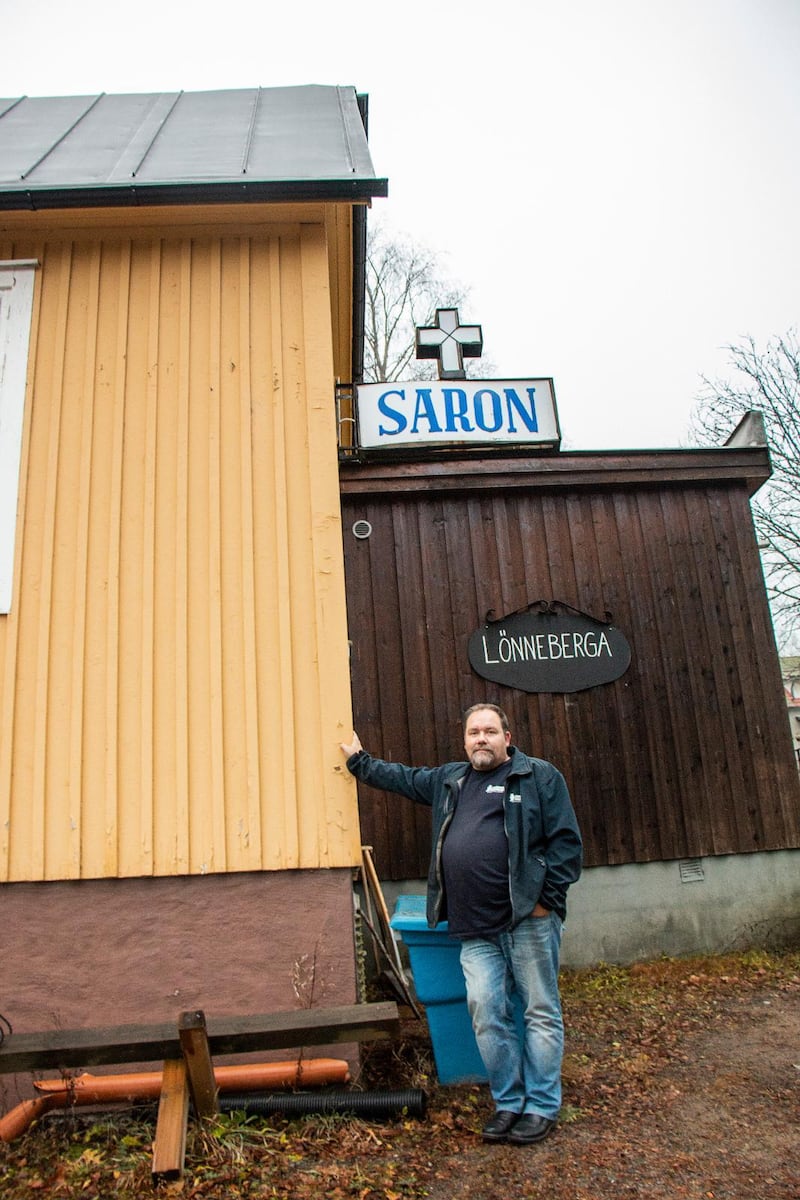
(683, 757)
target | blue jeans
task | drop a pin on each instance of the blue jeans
(524, 1067)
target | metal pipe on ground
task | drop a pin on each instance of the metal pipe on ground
(18, 1119)
(146, 1085)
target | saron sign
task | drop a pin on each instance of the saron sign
(541, 650)
(391, 415)
(455, 410)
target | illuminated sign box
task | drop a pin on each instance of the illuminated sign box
(465, 411)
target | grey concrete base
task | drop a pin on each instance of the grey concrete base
(698, 906)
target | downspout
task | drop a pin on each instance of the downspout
(359, 267)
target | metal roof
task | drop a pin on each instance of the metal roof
(287, 143)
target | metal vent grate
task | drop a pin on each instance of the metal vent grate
(362, 529)
(691, 870)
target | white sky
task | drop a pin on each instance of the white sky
(618, 181)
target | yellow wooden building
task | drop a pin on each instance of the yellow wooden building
(180, 279)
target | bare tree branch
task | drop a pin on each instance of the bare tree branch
(768, 381)
(405, 285)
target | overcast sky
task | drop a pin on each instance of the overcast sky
(618, 181)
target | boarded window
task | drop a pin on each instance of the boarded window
(16, 301)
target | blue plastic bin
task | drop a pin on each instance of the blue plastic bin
(439, 985)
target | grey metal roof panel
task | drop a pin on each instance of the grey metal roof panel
(171, 147)
(30, 128)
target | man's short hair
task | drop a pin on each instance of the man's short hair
(495, 708)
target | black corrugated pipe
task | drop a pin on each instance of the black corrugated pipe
(375, 1105)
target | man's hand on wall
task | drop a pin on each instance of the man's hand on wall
(352, 747)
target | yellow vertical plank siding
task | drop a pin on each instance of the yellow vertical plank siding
(339, 231)
(101, 857)
(244, 820)
(174, 672)
(325, 542)
(49, 793)
(277, 620)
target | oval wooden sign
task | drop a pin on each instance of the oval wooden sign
(536, 651)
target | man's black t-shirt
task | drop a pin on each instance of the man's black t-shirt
(475, 857)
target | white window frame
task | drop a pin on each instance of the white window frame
(16, 308)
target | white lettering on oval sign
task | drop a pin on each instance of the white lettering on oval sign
(549, 652)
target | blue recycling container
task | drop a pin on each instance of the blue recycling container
(439, 985)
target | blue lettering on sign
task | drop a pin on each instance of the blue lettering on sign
(480, 411)
(386, 411)
(425, 411)
(529, 419)
(452, 410)
(453, 396)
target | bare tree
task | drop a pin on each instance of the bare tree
(405, 284)
(767, 381)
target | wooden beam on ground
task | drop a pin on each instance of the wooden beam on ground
(169, 1150)
(304, 1027)
(194, 1044)
(57, 1048)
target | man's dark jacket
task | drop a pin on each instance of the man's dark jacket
(544, 842)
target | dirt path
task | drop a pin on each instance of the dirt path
(718, 1121)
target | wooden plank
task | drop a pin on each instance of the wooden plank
(226, 1035)
(711, 813)
(387, 670)
(305, 1027)
(169, 1150)
(409, 831)
(621, 709)
(566, 470)
(436, 601)
(193, 1037)
(361, 572)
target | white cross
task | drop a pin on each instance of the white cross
(449, 342)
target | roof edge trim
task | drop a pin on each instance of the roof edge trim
(226, 192)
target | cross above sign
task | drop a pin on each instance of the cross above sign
(449, 342)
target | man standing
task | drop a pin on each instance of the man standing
(505, 848)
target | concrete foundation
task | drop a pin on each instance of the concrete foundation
(696, 906)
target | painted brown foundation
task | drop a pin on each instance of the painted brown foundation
(126, 951)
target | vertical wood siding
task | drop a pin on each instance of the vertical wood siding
(686, 755)
(174, 669)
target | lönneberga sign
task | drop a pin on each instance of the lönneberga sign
(541, 650)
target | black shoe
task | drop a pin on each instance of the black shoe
(497, 1129)
(530, 1128)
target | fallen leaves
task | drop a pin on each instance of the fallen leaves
(633, 1069)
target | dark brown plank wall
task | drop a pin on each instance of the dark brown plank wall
(688, 754)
